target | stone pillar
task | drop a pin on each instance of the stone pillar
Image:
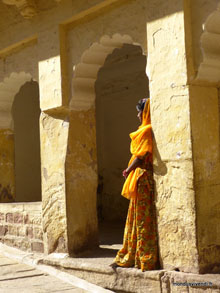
(82, 181)
(68, 156)
(173, 163)
(185, 122)
(204, 110)
(53, 135)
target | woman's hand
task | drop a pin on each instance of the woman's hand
(125, 173)
(135, 164)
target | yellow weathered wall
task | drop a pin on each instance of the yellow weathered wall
(173, 165)
(120, 20)
(59, 35)
(204, 120)
(81, 181)
(79, 38)
(23, 59)
(54, 135)
(205, 133)
(7, 184)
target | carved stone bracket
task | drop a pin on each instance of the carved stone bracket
(209, 69)
(27, 8)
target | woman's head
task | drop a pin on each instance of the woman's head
(140, 108)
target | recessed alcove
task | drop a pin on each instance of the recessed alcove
(26, 112)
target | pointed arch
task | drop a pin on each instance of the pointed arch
(85, 73)
(8, 89)
(81, 166)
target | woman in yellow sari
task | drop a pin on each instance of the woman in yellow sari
(140, 236)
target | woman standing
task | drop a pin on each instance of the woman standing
(140, 237)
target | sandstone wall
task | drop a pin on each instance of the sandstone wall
(54, 136)
(88, 45)
(173, 165)
(205, 133)
(7, 166)
(204, 119)
(21, 226)
(81, 182)
(70, 42)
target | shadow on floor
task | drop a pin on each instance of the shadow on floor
(110, 241)
(111, 233)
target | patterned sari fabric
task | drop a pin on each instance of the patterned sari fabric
(140, 236)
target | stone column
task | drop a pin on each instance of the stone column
(68, 156)
(82, 181)
(185, 122)
(53, 135)
(204, 110)
(173, 163)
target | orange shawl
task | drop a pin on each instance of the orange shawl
(141, 143)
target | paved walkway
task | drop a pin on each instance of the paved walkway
(17, 277)
(25, 272)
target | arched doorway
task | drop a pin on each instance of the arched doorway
(121, 63)
(26, 112)
(10, 87)
(120, 83)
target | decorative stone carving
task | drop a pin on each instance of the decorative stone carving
(27, 8)
(209, 69)
(85, 73)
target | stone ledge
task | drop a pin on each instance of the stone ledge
(21, 206)
(96, 270)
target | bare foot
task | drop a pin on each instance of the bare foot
(114, 265)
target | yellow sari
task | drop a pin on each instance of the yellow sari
(140, 236)
(141, 143)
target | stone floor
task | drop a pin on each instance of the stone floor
(18, 277)
(93, 267)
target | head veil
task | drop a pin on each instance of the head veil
(141, 143)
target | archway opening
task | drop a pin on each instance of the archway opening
(26, 112)
(120, 83)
